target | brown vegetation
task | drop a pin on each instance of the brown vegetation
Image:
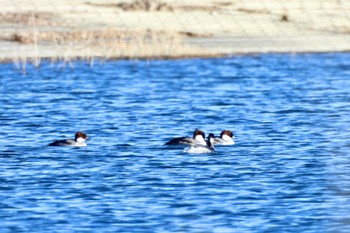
(254, 11)
(108, 44)
(196, 34)
(61, 37)
(156, 5)
(145, 5)
(284, 18)
(27, 18)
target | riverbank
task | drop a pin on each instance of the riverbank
(88, 29)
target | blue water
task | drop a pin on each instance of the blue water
(289, 170)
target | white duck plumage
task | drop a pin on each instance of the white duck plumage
(202, 149)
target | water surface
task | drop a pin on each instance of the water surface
(287, 172)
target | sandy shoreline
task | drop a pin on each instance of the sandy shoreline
(65, 30)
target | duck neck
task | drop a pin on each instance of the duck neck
(210, 143)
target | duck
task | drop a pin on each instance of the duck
(202, 149)
(226, 138)
(198, 138)
(79, 140)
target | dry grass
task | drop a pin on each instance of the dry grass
(106, 35)
(106, 44)
(196, 34)
(145, 5)
(254, 11)
(19, 38)
(137, 5)
(284, 18)
(156, 5)
(26, 18)
(224, 3)
(38, 41)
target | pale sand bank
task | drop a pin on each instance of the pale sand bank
(62, 29)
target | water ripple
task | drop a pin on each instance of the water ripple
(287, 172)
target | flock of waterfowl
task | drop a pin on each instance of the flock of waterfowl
(198, 144)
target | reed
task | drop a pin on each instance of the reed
(105, 44)
(36, 58)
(44, 35)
